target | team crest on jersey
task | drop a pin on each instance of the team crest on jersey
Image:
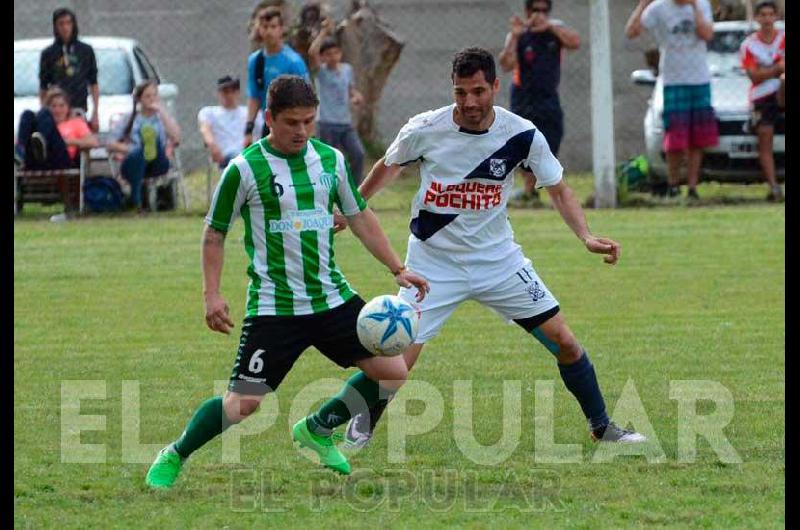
(536, 291)
(327, 180)
(497, 167)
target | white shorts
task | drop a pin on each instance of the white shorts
(514, 292)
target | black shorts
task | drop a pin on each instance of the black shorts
(550, 123)
(765, 111)
(270, 345)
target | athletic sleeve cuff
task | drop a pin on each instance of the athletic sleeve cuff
(217, 225)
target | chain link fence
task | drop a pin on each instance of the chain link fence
(192, 43)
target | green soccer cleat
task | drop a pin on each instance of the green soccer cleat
(329, 454)
(164, 470)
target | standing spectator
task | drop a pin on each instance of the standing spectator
(222, 126)
(145, 140)
(266, 64)
(51, 138)
(533, 50)
(682, 28)
(70, 64)
(763, 54)
(336, 90)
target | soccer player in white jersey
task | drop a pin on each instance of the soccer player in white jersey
(461, 240)
(285, 187)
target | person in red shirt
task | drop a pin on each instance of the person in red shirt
(52, 137)
(763, 54)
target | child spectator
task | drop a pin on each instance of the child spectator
(336, 90)
(763, 54)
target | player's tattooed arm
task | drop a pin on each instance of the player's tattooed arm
(217, 315)
(212, 236)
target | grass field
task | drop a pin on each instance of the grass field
(698, 295)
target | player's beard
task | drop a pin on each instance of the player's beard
(473, 117)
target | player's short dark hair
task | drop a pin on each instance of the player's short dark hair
(761, 4)
(327, 44)
(470, 61)
(288, 92)
(271, 12)
(529, 4)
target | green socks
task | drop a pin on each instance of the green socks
(358, 394)
(209, 420)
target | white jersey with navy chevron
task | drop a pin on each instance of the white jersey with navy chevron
(466, 178)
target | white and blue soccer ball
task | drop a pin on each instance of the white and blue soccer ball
(387, 325)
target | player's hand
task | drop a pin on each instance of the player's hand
(517, 26)
(339, 222)
(539, 23)
(216, 154)
(408, 279)
(602, 245)
(94, 122)
(326, 26)
(217, 316)
(248, 139)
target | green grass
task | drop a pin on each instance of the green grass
(698, 295)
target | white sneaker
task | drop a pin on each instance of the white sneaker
(614, 433)
(59, 218)
(358, 433)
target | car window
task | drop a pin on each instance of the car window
(26, 73)
(114, 74)
(728, 41)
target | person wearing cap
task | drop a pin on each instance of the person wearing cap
(222, 126)
(70, 65)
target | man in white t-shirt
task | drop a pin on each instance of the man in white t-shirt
(682, 28)
(222, 126)
(461, 239)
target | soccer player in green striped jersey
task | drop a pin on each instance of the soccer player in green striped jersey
(284, 188)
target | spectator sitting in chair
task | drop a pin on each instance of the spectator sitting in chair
(52, 137)
(222, 126)
(145, 140)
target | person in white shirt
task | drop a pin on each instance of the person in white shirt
(682, 28)
(461, 239)
(222, 126)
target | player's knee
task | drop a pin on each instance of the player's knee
(237, 409)
(569, 351)
(394, 376)
(563, 344)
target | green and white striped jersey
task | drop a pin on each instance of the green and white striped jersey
(286, 204)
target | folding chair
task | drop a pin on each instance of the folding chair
(172, 179)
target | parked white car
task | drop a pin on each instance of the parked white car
(735, 158)
(121, 64)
